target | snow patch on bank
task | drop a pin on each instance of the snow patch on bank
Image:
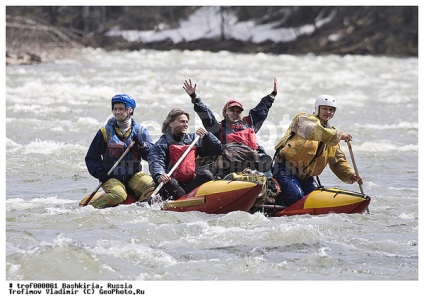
(210, 23)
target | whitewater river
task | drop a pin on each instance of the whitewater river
(53, 111)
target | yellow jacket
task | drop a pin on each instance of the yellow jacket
(307, 147)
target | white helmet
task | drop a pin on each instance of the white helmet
(325, 100)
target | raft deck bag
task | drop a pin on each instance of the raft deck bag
(236, 157)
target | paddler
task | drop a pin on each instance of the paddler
(309, 144)
(236, 128)
(109, 144)
(169, 149)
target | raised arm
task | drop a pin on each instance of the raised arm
(209, 121)
(258, 114)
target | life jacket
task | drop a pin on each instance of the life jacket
(304, 157)
(185, 171)
(241, 133)
(117, 143)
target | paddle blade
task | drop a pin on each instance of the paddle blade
(83, 202)
(154, 199)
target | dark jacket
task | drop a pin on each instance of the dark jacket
(99, 161)
(158, 157)
(254, 120)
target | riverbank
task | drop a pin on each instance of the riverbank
(29, 42)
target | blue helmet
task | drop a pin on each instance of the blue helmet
(124, 98)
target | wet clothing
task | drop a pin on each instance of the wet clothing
(159, 160)
(304, 152)
(140, 184)
(106, 148)
(109, 144)
(292, 188)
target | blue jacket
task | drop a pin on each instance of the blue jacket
(158, 157)
(254, 120)
(101, 157)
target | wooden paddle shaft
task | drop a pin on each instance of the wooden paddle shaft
(356, 169)
(177, 164)
(354, 164)
(109, 173)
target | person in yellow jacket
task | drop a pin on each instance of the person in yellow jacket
(309, 144)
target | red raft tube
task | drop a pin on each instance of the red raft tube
(214, 197)
(218, 197)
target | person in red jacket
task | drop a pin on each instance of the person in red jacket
(236, 127)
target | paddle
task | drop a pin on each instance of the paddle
(355, 168)
(109, 173)
(152, 196)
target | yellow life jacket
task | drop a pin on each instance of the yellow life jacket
(304, 157)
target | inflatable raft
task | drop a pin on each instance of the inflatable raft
(323, 201)
(224, 196)
(214, 197)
